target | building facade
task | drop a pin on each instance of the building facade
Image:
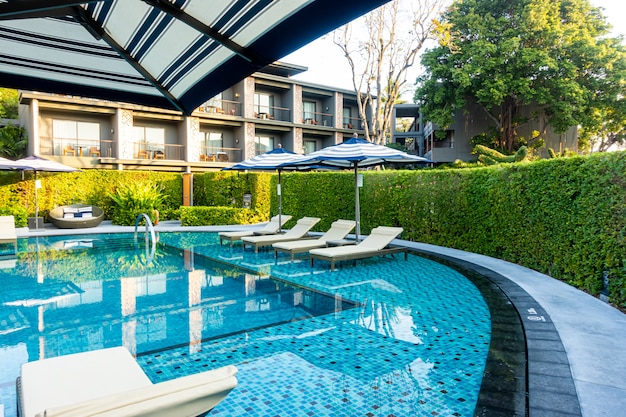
(252, 117)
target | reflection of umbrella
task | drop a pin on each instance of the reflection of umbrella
(272, 161)
(170, 54)
(36, 164)
(357, 153)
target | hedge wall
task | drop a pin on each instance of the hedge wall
(564, 217)
(89, 186)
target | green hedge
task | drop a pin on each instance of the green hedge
(565, 217)
(89, 187)
(202, 216)
(227, 188)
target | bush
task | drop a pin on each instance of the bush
(133, 199)
(19, 213)
(208, 216)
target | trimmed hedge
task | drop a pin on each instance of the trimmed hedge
(202, 216)
(565, 217)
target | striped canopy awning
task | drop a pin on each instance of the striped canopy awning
(165, 53)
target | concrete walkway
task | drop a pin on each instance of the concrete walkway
(592, 332)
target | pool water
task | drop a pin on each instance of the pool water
(384, 337)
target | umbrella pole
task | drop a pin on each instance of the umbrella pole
(357, 209)
(280, 204)
(36, 204)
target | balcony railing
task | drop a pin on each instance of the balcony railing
(272, 113)
(143, 150)
(232, 108)
(212, 154)
(353, 123)
(320, 119)
(75, 147)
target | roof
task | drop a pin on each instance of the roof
(170, 54)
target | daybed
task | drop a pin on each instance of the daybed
(338, 231)
(373, 245)
(76, 216)
(272, 227)
(109, 382)
(299, 231)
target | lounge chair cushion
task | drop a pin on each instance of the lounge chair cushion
(271, 227)
(109, 382)
(302, 227)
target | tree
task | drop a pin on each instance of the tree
(555, 57)
(8, 103)
(391, 38)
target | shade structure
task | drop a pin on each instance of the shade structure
(172, 54)
(38, 164)
(353, 154)
(272, 161)
(10, 165)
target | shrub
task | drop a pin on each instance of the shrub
(19, 213)
(133, 199)
(208, 216)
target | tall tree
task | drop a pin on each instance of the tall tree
(504, 54)
(380, 51)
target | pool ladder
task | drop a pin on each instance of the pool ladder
(148, 236)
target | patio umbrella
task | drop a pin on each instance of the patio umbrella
(36, 164)
(168, 54)
(353, 154)
(271, 161)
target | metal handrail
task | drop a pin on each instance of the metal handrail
(149, 228)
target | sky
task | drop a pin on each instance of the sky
(328, 66)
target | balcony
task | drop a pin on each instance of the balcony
(282, 114)
(223, 155)
(173, 152)
(318, 119)
(353, 123)
(226, 107)
(75, 147)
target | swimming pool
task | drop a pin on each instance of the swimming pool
(385, 337)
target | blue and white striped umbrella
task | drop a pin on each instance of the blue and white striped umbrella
(356, 153)
(170, 54)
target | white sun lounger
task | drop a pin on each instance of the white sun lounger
(272, 227)
(7, 231)
(109, 382)
(338, 231)
(373, 245)
(299, 231)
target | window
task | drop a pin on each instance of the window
(263, 104)
(213, 142)
(347, 118)
(308, 111)
(151, 137)
(76, 133)
(310, 146)
(263, 144)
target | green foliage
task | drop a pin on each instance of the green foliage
(490, 156)
(226, 189)
(565, 217)
(19, 213)
(9, 103)
(207, 216)
(502, 55)
(13, 141)
(132, 199)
